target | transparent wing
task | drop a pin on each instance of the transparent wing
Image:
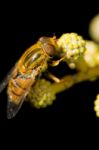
(6, 79)
(12, 108)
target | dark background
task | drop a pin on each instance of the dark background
(21, 26)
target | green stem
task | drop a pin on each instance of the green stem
(68, 81)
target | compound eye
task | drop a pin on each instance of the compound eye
(43, 39)
(50, 49)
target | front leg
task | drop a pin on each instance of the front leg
(56, 62)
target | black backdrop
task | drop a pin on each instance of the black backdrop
(21, 26)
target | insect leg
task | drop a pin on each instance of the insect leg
(52, 77)
(56, 62)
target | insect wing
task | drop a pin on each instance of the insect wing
(6, 79)
(12, 108)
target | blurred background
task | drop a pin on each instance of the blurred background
(21, 26)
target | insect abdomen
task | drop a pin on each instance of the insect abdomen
(17, 88)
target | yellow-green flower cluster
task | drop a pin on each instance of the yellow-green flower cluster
(96, 106)
(72, 45)
(91, 56)
(41, 95)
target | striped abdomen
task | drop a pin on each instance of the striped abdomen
(17, 88)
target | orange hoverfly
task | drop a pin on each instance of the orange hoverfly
(24, 74)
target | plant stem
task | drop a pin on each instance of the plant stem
(68, 81)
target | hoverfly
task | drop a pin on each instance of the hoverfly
(24, 74)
